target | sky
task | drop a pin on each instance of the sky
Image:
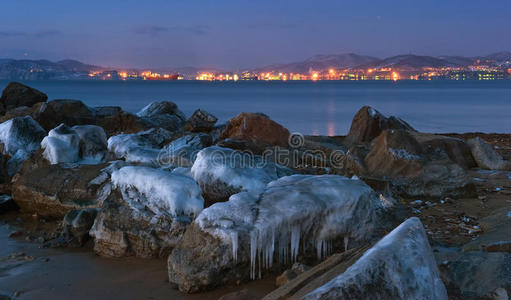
(237, 34)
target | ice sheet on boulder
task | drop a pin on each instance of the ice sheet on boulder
(399, 266)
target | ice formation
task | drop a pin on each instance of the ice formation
(160, 191)
(294, 213)
(399, 266)
(79, 144)
(183, 151)
(215, 166)
(21, 137)
(143, 147)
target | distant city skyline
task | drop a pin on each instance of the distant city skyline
(242, 34)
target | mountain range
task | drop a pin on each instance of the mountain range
(12, 69)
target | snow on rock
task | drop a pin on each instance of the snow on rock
(79, 144)
(164, 114)
(147, 212)
(183, 151)
(20, 137)
(222, 172)
(295, 216)
(143, 147)
(399, 266)
(160, 191)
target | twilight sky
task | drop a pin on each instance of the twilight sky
(246, 33)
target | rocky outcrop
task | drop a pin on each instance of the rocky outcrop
(486, 157)
(69, 112)
(398, 157)
(257, 128)
(17, 94)
(164, 114)
(200, 121)
(21, 137)
(249, 234)
(222, 172)
(79, 144)
(53, 190)
(369, 123)
(399, 266)
(147, 213)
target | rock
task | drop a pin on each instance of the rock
(147, 214)
(444, 147)
(486, 157)
(16, 94)
(21, 111)
(200, 121)
(143, 147)
(497, 230)
(369, 123)
(53, 190)
(257, 128)
(77, 223)
(243, 145)
(320, 212)
(116, 121)
(7, 204)
(222, 172)
(93, 143)
(290, 274)
(21, 137)
(474, 274)
(183, 151)
(413, 171)
(164, 114)
(399, 266)
(69, 112)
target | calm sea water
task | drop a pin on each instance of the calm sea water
(312, 107)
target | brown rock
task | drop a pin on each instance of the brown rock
(446, 147)
(368, 123)
(200, 121)
(257, 128)
(69, 112)
(17, 94)
(486, 156)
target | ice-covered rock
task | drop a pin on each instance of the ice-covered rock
(222, 172)
(183, 151)
(164, 114)
(296, 216)
(486, 157)
(147, 213)
(143, 147)
(399, 266)
(81, 143)
(20, 137)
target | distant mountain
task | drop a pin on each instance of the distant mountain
(410, 61)
(322, 63)
(44, 69)
(458, 60)
(499, 56)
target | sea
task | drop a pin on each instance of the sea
(318, 108)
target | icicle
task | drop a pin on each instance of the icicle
(346, 239)
(295, 242)
(253, 253)
(319, 245)
(234, 241)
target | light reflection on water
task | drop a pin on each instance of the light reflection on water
(312, 107)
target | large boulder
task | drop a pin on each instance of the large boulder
(296, 218)
(53, 190)
(368, 123)
(81, 143)
(147, 213)
(398, 157)
(222, 172)
(257, 128)
(200, 121)
(21, 137)
(486, 156)
(143, 147)
(69, 112)
(475, 274)
(399, 266)
(164, 114)
(17, 94)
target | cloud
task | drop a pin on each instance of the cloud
(153, 30)
(47, 33)
(12, 33)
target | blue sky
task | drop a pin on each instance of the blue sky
(243, 33)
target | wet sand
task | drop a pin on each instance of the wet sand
(79, 274)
